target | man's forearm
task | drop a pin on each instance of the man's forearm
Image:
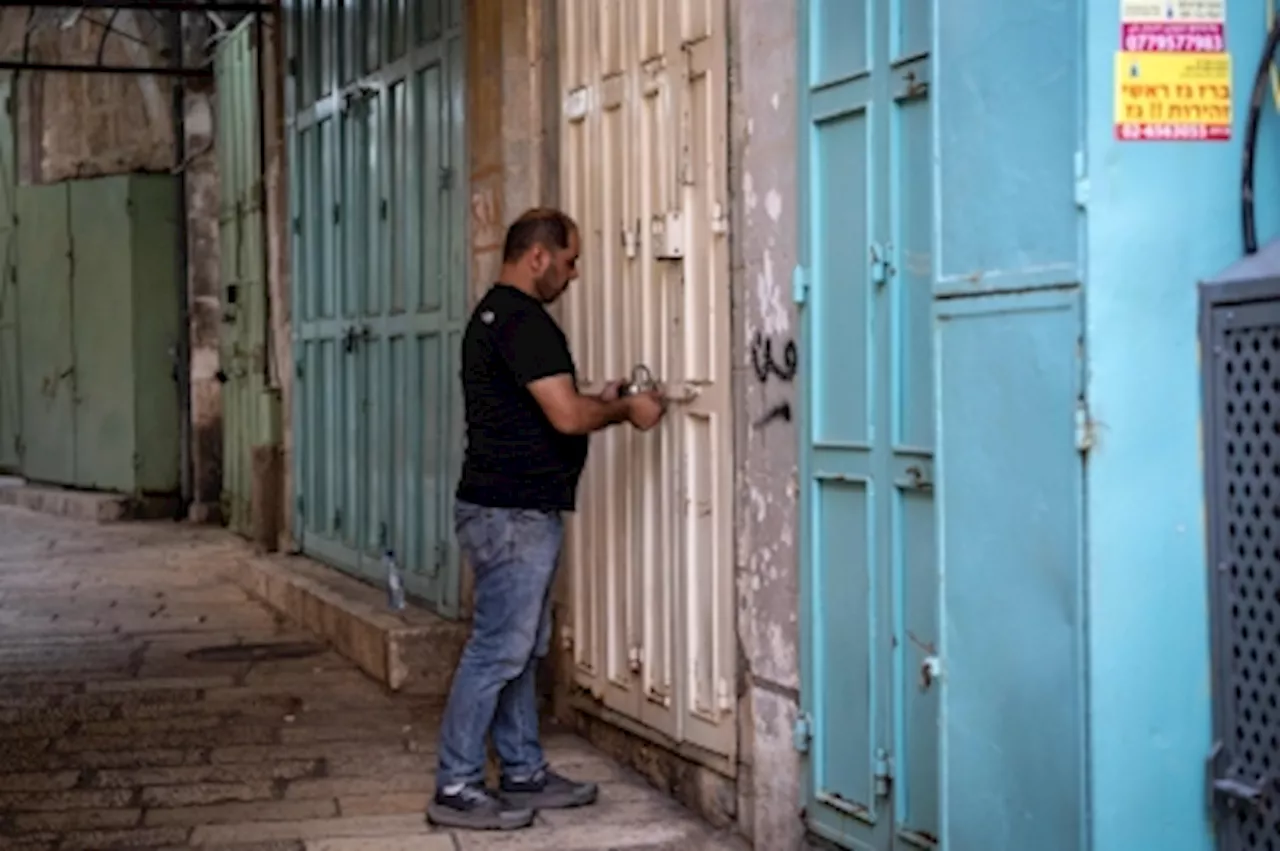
(595, 414)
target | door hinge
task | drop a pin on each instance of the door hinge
(577, 103)
(1084, 428)
(446, 178)
(799, 284)
(719, 219)
(297, 371)
(802, 732)
(631, 240)
(879, 256)
(724, 698)
(883, 772)
(337, 518)
(1082, 181)
(635, 658)
(300, 503)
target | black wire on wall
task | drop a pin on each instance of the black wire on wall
(1260, 79)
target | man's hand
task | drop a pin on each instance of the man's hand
(610, 391)
(645, 409)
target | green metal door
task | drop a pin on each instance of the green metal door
(10, 398)
(377, 171)
(247, 400)
(48, 380)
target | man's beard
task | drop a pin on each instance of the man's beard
(547, 288)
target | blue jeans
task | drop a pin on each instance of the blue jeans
(514, 554)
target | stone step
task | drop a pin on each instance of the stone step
(93, 506)
(413, 651)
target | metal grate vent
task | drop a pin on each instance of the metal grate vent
(1243, 432)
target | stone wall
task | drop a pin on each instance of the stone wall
(763, 162)
(88, 125)
(205, 299)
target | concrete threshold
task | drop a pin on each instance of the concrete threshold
(412, 651)
(92, 506)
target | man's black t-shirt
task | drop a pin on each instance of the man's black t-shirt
(515, 458)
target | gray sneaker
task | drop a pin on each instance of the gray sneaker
(547, 790)
(473, 807)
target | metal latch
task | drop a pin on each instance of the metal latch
(1232, 792)
(642, 381)
(916, 479)
(667, 236)
(684, 395)
(802, 732)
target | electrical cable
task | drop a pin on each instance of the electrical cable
(1275, 72)
(1260, 80)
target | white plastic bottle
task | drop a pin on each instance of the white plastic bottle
(395, 585)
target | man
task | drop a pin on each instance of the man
(527, 433)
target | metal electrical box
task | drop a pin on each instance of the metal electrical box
(98, 321)
(1240, 363)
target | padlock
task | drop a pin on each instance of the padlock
(641, 382)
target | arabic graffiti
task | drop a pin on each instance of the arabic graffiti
(766, 367)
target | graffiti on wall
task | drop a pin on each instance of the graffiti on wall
(768, 368)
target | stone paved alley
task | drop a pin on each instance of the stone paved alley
(112, 737)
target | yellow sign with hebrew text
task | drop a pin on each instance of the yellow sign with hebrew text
(1173, 96)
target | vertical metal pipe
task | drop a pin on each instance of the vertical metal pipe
(182, 355)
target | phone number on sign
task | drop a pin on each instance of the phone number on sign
(1149, 42)
(1173, 132)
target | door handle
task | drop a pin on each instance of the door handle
(1241, 791)
(1231, 792)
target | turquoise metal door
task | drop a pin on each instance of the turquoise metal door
(868, 724)
(10, 398)
(377, 162)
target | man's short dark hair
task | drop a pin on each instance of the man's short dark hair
(543, 226)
